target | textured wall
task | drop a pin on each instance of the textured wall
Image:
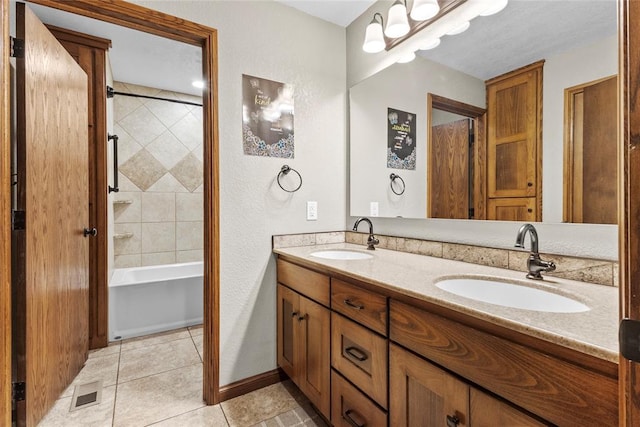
(267, 39)
(158, 210)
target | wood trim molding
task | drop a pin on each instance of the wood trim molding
(250, 384)
(79, 38)
(154, 22)
(629, 198)
(515, 72)
(5, 220)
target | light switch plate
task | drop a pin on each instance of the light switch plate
(312, 211)
(374, 209)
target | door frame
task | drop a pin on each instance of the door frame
(160, 24)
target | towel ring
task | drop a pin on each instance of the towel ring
(284, 170)
(393, 178)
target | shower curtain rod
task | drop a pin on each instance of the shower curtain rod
(111, 93)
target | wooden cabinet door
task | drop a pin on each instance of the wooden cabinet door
(513, 133)
(489, 412)
(315, 369)
(288, 331)
(512, 209)
(420, 394)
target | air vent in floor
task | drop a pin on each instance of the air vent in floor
(85, 395)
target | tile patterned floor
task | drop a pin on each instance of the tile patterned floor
(157, 380)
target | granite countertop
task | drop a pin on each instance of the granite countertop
(594, 332)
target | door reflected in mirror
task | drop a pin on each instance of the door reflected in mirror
(590, 184)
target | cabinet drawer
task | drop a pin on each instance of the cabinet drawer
(350, 407)
(363, 306)
(309, 283)
(361, 356)
(537, 382)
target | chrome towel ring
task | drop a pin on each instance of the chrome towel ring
(284, 170)
(393, 178)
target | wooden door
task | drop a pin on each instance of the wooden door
(50, 286)
(288, 311)
(420, 394)
(315, 322)
(513, 134)
(90, 53)
(449, 183)
(487, 411)
(599, 153)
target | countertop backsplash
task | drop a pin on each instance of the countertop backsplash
(602, 272)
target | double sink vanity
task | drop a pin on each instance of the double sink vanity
(382, 337)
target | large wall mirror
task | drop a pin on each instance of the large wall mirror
(440, 152)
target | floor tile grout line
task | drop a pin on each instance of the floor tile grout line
(161, 372)
(115, 393)
(204, 405)
(224, 414)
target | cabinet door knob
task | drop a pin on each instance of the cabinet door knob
(529, 184)
(353, 305)
(301, 318)
(294, 313)
(348, 418)
(453, 421)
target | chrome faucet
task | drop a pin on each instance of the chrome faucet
(371, 240)
(535, 265)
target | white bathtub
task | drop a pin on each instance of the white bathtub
(146, 300)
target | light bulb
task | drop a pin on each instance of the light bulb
(198, 83)
(424, 9)
(397, 22)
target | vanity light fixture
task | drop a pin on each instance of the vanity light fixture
(433, 18)
(373, 38)
(424, 9)
(397, 21)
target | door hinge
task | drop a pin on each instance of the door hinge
(629, 339)
(110, 92)
(18, 220)
(16, 47)
(18, 391)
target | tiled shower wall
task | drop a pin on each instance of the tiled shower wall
(158, 210)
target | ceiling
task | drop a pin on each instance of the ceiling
(525, 31)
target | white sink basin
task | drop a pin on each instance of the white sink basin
(338, 254)
(511, 295)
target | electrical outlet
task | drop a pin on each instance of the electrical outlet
(374, 209)
(312, 211)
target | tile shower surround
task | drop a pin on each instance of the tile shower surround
(602, 272)
(159, 217)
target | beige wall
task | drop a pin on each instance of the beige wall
(270, 40)
(158, 210)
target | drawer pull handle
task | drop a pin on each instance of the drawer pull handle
(356, 353)
(353, 305)
(453, 421)
(350, 420)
